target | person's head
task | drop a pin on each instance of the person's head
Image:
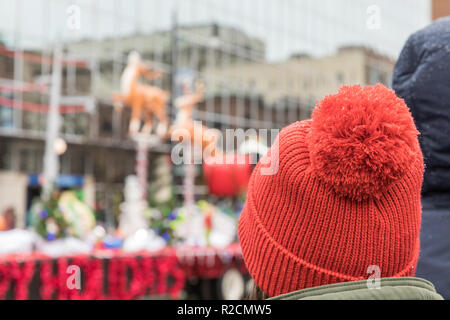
(345, 200)
(9, 218)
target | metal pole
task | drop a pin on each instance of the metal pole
(173, 58)
(189, 179)
(142, 148)
(51, 160)
(18, 67)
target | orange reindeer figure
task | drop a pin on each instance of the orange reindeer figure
(144, 100)
(184, 125)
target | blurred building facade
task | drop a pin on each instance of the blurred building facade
(440, 8)
(197, 47)
(100, 154)
(244, 89)
(303, 78)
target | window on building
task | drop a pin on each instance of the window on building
(340, 78)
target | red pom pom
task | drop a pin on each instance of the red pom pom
(362, 139)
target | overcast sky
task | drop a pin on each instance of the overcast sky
(286, 26)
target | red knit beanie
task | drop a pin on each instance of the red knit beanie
(346, 195)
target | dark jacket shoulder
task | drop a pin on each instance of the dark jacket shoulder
(422, 78)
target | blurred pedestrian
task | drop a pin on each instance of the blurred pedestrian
(422, 79)
(8, 219)
(341, 215)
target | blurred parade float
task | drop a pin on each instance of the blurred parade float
(152, 215)
(199, 234)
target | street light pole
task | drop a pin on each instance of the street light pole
(51, 159)
(189, 167)
(173, 62)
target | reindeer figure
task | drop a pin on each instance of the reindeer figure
(184, 124)
(144, 100)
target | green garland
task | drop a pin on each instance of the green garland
(46, 215)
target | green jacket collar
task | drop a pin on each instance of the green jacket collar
(402, 288)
